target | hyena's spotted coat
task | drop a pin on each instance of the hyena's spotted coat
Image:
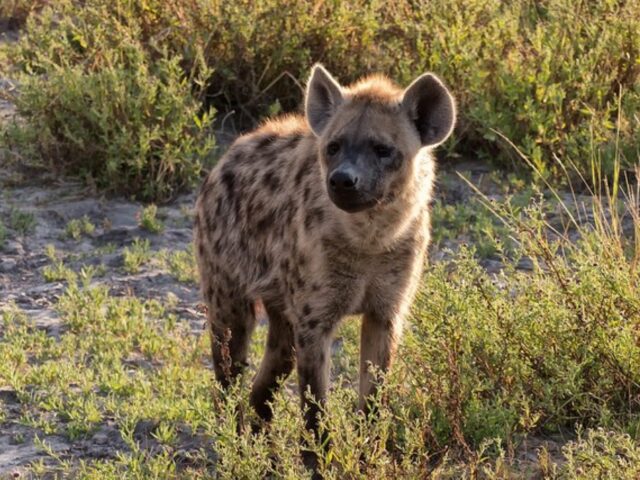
(321, 217)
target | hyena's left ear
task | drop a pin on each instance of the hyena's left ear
(431, 108)
(324, 95)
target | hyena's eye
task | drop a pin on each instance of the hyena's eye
(333, 148)
(382, 151)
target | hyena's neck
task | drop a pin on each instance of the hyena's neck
(380, 228)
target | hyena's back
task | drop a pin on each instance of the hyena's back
(250, 204)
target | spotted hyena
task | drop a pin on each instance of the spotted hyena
(321, 216)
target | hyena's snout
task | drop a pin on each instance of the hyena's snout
(349, 188)
(344, 181)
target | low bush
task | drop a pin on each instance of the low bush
(131, 79)
(98, 104)
(16, 12)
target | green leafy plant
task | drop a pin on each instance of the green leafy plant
(149, 219)
(121, 91)
(23, 222)
(57, 271)
(136, 255)
(16, 12)
(3, 233)
(128, 119)
(78, 227)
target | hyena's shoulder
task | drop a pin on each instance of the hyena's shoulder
(275, 137)
(272, 164)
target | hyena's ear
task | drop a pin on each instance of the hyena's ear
(324, 95)
(431, 108)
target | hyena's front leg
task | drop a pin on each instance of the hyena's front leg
(387, 304)
(313, 350)
(380, 334)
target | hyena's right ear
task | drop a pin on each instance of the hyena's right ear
(324, 95)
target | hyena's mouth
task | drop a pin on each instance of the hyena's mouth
(353, 204)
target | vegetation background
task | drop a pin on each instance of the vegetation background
(137, 99)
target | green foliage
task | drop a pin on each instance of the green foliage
(117, 90)
(182, 265)
(602, 454)
(57, 271)
(468, 222)
(136, 255)
(15, 12)
(23, 222)
(149, 220)
(78, 227)
(486, 361)
(3, 233)
(555, 77)
(101, 103)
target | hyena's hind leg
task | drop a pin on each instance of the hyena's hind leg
(231, 321)
(278, 361)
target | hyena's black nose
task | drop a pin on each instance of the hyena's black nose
(343, 179)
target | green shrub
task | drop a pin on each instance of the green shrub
(16, 12)
(136, 255)
(486, 363)
(555, 77)
(3, 233)
(98, 103)
(149, 219)
(22, 222)
(77, 227)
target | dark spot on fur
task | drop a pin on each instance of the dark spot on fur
(217, 247)
(312, 324)
(228, 180)
(300, 341)
(302, 172)
(218, 208)
(264, 263)
(306, 310)
(240, 331)
(292, 142)
(271, 181)
(314, 215)
(266, 141)
(307, 193)
(266, 222)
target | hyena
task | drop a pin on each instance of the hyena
(321, 216)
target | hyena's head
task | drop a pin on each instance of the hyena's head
(370, 134)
